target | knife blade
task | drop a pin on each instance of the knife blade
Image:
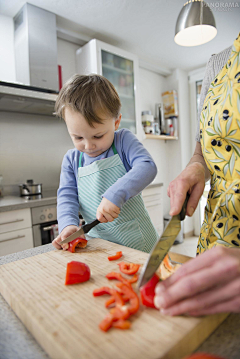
(83, 230)
(162, 246)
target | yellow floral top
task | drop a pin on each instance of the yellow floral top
(220, 142)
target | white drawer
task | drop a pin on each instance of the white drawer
(14, 220)
(15, 241)
(155, 213)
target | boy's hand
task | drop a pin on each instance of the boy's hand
(107, 211)
(66, 232)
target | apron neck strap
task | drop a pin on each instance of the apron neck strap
(81, 154)
(114, 148)
(80, 160)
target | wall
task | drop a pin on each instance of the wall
(7, 61)
(67, 58)
(31, 147)
(151, 87)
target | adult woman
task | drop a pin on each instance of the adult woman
(210, 283)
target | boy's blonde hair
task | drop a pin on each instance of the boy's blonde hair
(89, 95)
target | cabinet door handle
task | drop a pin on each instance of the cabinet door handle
(49, 227)
(17, 220)
(10, 239)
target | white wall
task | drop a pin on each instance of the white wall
(151, 87)
(31, 147)
(67, 58)
(7, 61)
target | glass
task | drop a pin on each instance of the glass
(119, 71)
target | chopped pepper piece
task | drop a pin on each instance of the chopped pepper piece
(128, 268)
(148, 291)
(78, 242)
(122, 324)
(77, 272)
(116, 256)
(111, 300)
(134, 279)
(133, 297)
(118, 276)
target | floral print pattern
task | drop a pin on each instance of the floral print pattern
(220, 142)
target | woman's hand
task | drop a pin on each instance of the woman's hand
(66, 232)
(207, 284)
(107, 211)
(192, 180)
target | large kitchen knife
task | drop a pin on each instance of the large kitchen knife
(83, 230)
(163, 245)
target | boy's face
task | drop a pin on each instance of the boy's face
(91, 140)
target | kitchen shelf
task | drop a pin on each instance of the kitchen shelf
(161, 137)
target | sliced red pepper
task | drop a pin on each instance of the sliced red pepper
(134, 279)
(106, 323)
(118, 276)
(116, 256)
(148, 291)
(111, 300)
(77, 272)
(78, 242)
(128, 268)
(121, 324)
(203, 356)
(113, 292)
(133, 297)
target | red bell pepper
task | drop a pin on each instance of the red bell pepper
(133, 297)
(148, 291)
(77, 272)
(118, 276)
(122, 324)
(203, 356)
(128, 268)
(111, 300)
(78, 242)
(116, 256)
(134, 279)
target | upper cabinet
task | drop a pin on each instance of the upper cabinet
(121, 69)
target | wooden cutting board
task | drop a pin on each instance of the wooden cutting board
(64, 319)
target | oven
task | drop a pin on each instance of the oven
(45, 227)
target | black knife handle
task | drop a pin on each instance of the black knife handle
(182, 214)
(87, 227)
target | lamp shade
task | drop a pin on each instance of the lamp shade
(195, 24)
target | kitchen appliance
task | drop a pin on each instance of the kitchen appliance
(30, 188)
(35, 44)
(83, 230)
(45, 225)
(163, 245)
(58, 315)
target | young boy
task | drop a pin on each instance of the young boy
(103, 176)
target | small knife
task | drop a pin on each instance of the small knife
(163, 245)
(84, 229)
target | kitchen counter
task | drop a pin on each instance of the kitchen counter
(11, 203)
(16, 342)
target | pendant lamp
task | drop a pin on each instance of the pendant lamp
(195, 24)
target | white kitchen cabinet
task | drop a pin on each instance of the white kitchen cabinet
(121, 69)
(15, 231)
(152, 198)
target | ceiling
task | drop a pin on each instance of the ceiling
(143, 27)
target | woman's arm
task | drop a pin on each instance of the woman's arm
(191, 179)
